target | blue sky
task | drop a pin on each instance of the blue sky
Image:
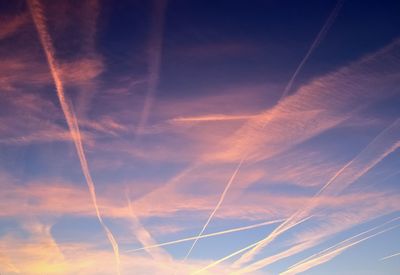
(253, 137)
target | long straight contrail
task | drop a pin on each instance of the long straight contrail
(301, 247)
(313, 46)
(221, 199)
(47, 44)
(375, 159)
(333, 251)
(238, 229)
(154, 59)
(292, 221)
(238, 252)
(390, 256)
(344, 242)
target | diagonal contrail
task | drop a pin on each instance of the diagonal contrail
(390, 256)
(145, 238)
(47, 44)
(154, 59)
(315, 199)
(344, 242)
(221, 199)
(238, 252)
(314, 45)
(292, 221)
(238, 229)
(377, 157)
(333, 251)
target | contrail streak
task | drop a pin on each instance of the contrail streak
(315, 199)
(155, 50)
(363, 151)
(45, 39)
(238, 252)
(298, 248)
(221, 199)
(238, 229)
(145, 237)
(216, 117)
(313, 46)
(390, 256)
(316, 42)
(344, 241)
(334, 251)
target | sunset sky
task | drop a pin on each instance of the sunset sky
(178, 137)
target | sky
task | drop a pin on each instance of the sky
(199, 137)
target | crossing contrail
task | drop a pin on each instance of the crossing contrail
(238, 252)
(238, 229)
(373, 152)
(331, 252)
(314, 45)
(36, 10)
(345, 241)
(145, 238)
(390, 131)
(221, 199)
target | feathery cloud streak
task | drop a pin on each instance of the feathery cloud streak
(45, 39)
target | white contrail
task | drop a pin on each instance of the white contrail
(238, 229)
(214, 263)
(212, 118)
(313, 46)
(331, 253)
(315, 199)
(145, 238)
(45, 39)
(390, 256)
(154, 58)
(221, 199)
(316, 42)
(301, 247)
(344, 241)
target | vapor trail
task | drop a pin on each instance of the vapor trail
(390, 256)
(216, 117)
(344, 241)
(313, 46)
(298, 248)
(45, 39)
(316, 42)
(365, 167)
(327, 256)
(146, 239)
(154, 58)
(238, 252)
(238, 229)
(221, 199)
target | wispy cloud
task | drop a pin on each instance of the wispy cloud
(331, 252)
(146, 239)
(238, 229)
(39, 20)
(384, 144)
(154, 59)
(221, 199)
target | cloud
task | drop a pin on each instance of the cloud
(46, 41)
(10, 26)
